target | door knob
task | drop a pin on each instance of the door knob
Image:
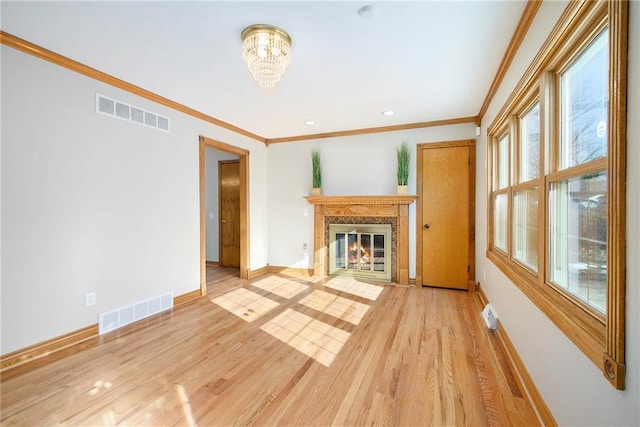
(427, 226)
(224, 221)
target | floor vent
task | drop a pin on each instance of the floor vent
(124, 111)
(123, 316)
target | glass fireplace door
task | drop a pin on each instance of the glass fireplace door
(360, 251)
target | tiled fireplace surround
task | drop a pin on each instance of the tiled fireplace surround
(392, 210)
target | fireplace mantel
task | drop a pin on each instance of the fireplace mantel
(395, 206)
(361, 200)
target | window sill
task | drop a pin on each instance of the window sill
(587, 332)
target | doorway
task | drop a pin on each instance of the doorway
(446, 215)
(243, 206)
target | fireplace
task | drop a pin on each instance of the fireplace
(358, 212)
(360, 250)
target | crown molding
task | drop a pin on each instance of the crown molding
(529, 13)
(363, 131)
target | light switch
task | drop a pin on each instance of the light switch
(211, 215)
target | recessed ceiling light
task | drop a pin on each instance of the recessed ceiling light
(388, 113)
(367, 12)
(309, 122)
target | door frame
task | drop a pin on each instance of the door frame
(243, 159)
(471, 143)
(220, 246)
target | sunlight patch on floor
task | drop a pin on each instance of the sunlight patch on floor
(338, 307)
(282, 287)
(245, 304)
(98, 385)
(186, 405)
(353, 287)
(109, 419)
(309, 336)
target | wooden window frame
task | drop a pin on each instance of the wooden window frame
(494, 176)
(600, 337)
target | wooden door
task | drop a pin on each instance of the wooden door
(446, 211)
(229, 212)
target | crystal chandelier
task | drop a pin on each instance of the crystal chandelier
(267, 52)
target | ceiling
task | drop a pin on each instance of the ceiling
(424, 60)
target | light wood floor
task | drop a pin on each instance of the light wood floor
(334, 352)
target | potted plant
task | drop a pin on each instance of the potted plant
(316, 189)
(404, 155)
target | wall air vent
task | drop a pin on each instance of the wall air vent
(132, 313)
(124, 111)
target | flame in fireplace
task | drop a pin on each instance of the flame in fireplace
(365, 256)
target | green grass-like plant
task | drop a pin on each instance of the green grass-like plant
(316, 169)
(404, 155)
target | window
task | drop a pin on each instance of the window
(525, 227)
(583, 105)
(500, 221)
(500, 199)
(530, 144)
(578, 238)
(578, 197)
(503, 162)
(525, 193)
(557, 193)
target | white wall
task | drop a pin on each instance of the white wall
(212, 157)
(95, 204)
(355, 165)
(573, 387)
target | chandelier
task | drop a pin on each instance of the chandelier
(267, 52)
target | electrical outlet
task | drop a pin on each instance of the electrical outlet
(304, 246)
(90, 299)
